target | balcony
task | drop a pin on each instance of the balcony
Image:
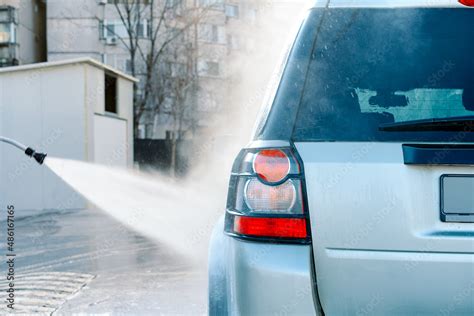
(8, 42)
(8, 14)
(9, 55)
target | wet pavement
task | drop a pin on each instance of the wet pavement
(83, 262)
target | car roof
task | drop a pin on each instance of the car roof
(389, 4)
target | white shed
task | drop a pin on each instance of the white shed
(77, 109)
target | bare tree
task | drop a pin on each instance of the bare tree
(167, 21)
(182, 111)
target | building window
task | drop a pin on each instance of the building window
(174, 4)
(212, 68)
(8, 14)
(121, 62)
(144, 29)
(110, 93)
(212, 33)
(206, 102)
(177, 70)
(8, 25)
(145, 2)
(232, 10)
(149, 131)
(252, 15)
(208, 68)
(167, 104)
(7, 33)
(8, 42)
(178, 34)
(216, 4)
(128, 66)
(9, 55)
(233, 42)
(177, 134)
(141, 131)
(116, 29)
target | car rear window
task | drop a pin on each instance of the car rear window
(371, 67)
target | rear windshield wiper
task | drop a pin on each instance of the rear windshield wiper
(459, 123)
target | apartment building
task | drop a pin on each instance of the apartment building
(220, 41)
(94, 28)
(22, 32)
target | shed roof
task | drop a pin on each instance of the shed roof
(82, 60)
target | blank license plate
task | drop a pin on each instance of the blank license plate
(457, 198)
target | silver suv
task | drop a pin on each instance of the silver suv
(356, 195)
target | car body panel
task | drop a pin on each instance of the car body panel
(383, 248)
(260, 278)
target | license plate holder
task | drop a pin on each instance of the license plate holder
(457, 198)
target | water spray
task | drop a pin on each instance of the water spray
(30, 152)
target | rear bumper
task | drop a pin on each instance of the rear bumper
(260, 278)
(369, 282)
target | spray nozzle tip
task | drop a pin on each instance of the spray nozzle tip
(39, 157)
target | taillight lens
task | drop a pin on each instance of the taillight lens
(261, 197)
(271, 165)
(271, 227)
(250, 196)
(266, 199)
(469, 3)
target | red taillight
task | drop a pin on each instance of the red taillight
(266, 197)
(271, 165)
(469, 3)
(270, 227)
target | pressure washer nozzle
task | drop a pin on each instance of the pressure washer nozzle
(39, 157)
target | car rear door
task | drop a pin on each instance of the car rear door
(380, 246)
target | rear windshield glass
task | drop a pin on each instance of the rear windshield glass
(376, 68)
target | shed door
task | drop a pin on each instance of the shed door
(110, 141)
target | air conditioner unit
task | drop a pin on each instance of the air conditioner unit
(111, 40)
(103, 2)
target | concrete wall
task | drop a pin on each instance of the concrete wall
(73, 29)
(55, 109)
